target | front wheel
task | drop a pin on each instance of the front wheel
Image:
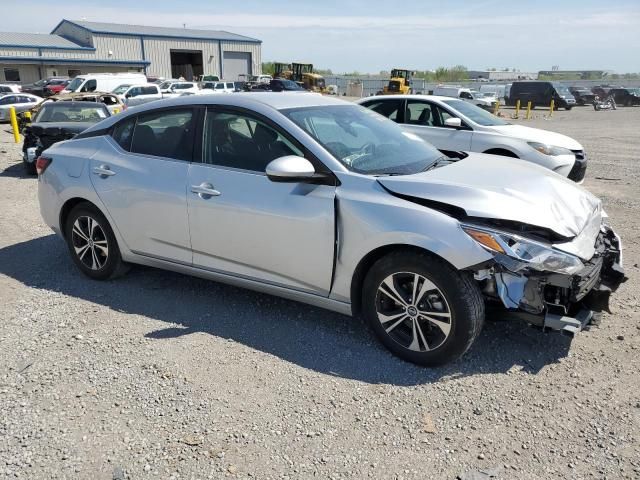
(421, 308)
(92, 244)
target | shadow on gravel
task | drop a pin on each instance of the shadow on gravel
(313, 338)
(17, 171)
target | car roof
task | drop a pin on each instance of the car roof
(409, 97)
(253, 100)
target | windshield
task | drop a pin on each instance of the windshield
(71, 112)
(75, 84)
(364, 141)
(561, 89)
(475, 114)
(290, 85)
(120, 89)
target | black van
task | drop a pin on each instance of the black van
(540, 94)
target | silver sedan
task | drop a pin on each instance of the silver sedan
(20, 101)
(325, 202)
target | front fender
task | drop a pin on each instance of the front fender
(370, 218)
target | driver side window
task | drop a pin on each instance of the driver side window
(420, 113)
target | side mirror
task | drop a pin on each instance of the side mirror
(453, 122)
(128, 95)
(290, 168)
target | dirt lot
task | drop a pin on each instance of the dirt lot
(158, 375)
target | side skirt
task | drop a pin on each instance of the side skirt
(303, 297)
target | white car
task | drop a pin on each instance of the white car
(466, 94)
(20, 101)
(451, 124)
(175, 89)
(9, 88)
(132, 95)
(217, 87)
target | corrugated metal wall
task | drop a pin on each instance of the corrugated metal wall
(28, 73)
(121, 47)
(18, 52)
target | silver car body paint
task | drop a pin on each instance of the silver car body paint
(282, 238)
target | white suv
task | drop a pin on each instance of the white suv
(218, 87)
(175, 89)
(451, 124)
(134, 95)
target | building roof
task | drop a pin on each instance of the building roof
(36, 40)
(191, 33)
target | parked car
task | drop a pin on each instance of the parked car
(624, 96)
(110, 100)
(279, 85)
(217, 87)
(322, 201)
(174, 89)
(466, 94)
(452, 124)
(583, 95)
(540, 94)
(21, 102)
(39, 88)
(9, 88)
(55, 88)
(132, 95)
(102, 82)
(55, 122)
(602, 91)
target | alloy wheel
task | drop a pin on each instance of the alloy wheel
(90, 242)
(413, 311)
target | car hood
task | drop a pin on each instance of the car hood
(493, 187)
(537, 135)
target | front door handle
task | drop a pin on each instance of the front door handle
(205, 190)
(103, 171)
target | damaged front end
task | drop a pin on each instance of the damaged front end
(546, 286)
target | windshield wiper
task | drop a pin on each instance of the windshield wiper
(436, 163)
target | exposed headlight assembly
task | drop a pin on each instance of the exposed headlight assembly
(549, 149)
(526, 253)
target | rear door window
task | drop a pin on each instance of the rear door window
(165, 133)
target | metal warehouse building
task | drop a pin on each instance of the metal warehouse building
(78, 47)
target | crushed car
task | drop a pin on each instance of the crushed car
(325, 202)
(55, 122)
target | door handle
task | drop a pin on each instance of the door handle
(205, 190)
(103, 171)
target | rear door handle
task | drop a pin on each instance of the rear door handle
(103, 171)
(205, 190)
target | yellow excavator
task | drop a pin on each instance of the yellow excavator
(399, 84)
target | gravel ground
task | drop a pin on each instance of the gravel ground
(158, 375)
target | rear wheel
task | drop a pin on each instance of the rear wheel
(421, 308)
(29, 167)
(92, 244)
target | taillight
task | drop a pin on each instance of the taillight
(41, 164)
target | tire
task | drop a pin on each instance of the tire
(98, 258)
(568, 107)
(452, 298)
(29, 167)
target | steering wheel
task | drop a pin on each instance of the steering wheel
(367, 150)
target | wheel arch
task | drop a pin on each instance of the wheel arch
(501, 151)
(69, 205)
(371, 258)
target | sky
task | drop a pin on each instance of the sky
(374, 35)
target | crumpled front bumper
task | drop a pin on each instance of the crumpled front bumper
(562, 302)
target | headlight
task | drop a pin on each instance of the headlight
(527, 253)
(549, 149)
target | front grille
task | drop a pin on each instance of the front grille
(579, 169)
